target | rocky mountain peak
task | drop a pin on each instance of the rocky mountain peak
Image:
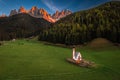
(61, 14)
(42, 13)
(13, 12)
(22, 10)
(34, 11)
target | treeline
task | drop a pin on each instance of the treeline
(21, 26)
(81, 27)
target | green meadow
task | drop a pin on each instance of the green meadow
(33, 60)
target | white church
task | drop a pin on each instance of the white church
(76, 56)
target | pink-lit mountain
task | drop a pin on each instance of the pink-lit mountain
(57, 15)
(42, 13)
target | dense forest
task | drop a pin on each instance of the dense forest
(21, 26)
(82, 27)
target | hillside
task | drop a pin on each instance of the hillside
(99, 43)
(84, 26)
(20, 26)
(32, 60)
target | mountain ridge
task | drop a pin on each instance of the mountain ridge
(41, 13)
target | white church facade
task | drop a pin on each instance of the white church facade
(76, 56)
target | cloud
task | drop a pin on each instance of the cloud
(50, 5)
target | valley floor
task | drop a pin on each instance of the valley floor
(32, 60)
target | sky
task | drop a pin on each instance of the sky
(49, 5)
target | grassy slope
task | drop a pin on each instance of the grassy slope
(31, 60)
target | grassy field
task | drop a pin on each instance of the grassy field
(32, 60)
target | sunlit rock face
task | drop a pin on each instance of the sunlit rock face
(34, 11)
(42, 13)
(45, 15)
(61, 14)
(22, 10)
